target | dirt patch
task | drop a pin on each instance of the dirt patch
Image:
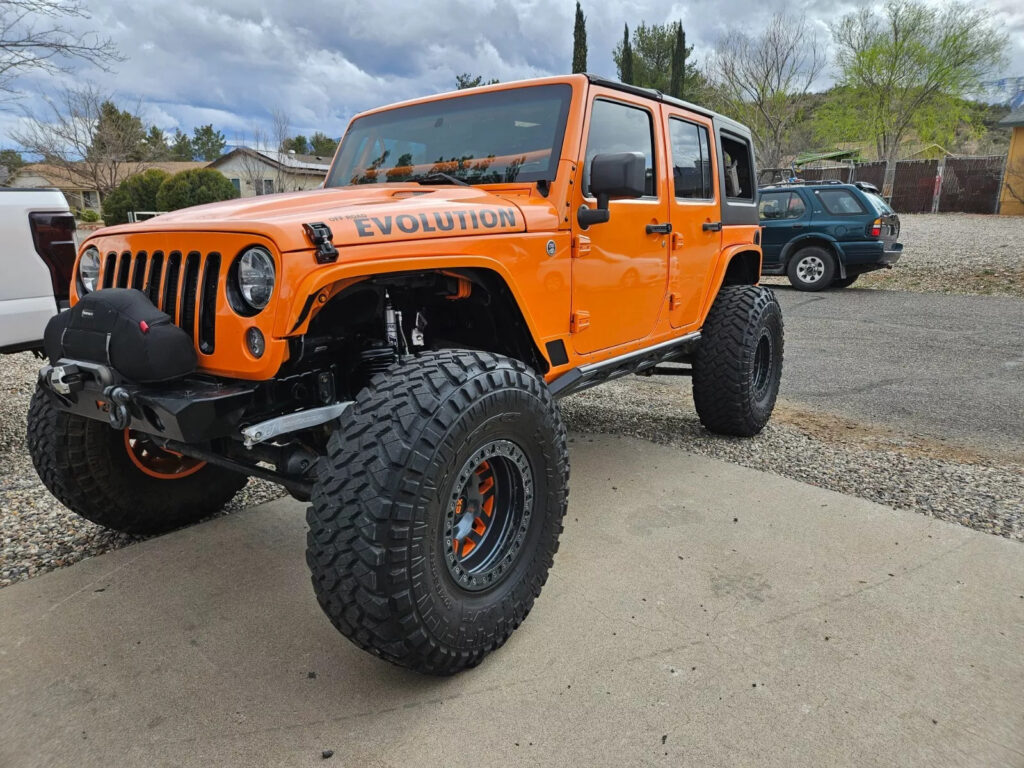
(835, 429)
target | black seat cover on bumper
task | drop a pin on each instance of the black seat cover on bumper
(121, 328)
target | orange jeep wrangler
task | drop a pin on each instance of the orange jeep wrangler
(392, 346)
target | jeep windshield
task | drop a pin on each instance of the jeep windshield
(512, 135)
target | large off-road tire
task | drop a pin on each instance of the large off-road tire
(118, 480)
(811, 269)
(437, 510)
(738, 364)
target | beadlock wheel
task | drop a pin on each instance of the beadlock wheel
(437, 508)
(159, 462)
(488, 515)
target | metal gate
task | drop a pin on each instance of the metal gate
(971, 184)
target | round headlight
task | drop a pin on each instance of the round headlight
(89, 269)
(256, 277)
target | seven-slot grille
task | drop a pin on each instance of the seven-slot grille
(184, 285)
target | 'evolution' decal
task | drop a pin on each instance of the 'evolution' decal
(486, 218)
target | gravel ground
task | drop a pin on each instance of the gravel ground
(37, 534)
(954, 253)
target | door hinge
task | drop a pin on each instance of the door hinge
(579, 321)
(673, 301)
(580, 246)
(677, 240)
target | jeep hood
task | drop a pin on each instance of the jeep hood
(363, 214)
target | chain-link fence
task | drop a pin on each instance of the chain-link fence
(952, 184)
(971, 184)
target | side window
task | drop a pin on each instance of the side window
(617, 127)
(774, 205)
(840, 202)
(691, 162)
(739, 168)
(782, 205)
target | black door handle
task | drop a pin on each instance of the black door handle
(712, 226)
(659, 229)
(798, 226)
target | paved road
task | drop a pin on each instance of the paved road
(947, 367)
(698, 613)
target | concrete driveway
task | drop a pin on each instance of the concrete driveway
(698, 614)
(945, 367)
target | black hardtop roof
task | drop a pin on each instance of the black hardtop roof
(655, 95)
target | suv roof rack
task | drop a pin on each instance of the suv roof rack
(807, 182)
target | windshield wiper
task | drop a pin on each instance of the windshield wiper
(437, 177)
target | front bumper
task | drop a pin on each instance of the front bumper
(194, 410)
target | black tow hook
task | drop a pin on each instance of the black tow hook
(119, 415)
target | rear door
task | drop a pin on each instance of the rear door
(783, 215)
(693, 202)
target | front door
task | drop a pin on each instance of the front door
(783, 216)
(620, 271)
(696, 213)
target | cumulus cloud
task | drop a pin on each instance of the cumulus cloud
(231, 63)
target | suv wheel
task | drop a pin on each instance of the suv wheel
(118, 478)
(811, 269)
(437, 509)
(738, 365)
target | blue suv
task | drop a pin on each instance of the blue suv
(826, 234)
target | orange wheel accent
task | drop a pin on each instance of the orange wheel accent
(157, 462)
(488, 505)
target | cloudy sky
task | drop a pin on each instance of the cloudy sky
(228, 62)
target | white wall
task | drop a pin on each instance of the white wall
(244, 168)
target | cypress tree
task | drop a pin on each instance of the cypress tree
(676, 84)
(579, 42)
(626, 66)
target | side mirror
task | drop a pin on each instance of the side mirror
(617, 175)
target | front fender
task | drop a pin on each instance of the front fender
(544, 302)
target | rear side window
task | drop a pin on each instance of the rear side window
(840, 202)
(617, 127)
(878, 202)
(691, 160)
(781, 205)
(739, 168)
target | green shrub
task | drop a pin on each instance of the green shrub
(89, 216)
(136, 193)
(195, 187)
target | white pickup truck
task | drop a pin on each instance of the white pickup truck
(37, 255)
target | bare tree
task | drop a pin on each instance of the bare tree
(763, 81)
(253, 165)
(37, 35)
(282, 128)
(86, 136)
(1014, 180)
